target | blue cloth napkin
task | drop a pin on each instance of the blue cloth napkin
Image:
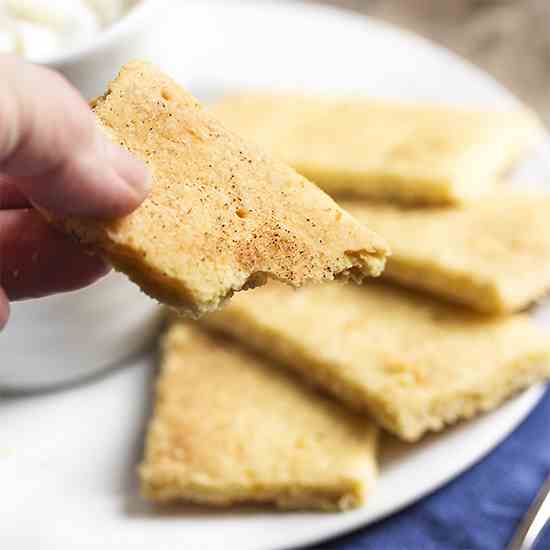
(481, 509)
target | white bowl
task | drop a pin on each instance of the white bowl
(65, 338)
(91, 66)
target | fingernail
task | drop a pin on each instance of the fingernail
(130, 169)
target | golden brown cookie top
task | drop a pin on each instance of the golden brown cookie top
(222, 215)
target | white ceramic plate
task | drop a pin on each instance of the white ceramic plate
(67, 460)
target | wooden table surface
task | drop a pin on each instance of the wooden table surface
(508, 38)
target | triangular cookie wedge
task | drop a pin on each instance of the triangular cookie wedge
(232, 428)
(385, 149)
(412, 363)
(222, 215)
(492, 255)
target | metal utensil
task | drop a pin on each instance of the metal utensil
(534, 521)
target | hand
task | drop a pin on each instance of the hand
(53, 156)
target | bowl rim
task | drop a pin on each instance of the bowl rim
(133, 19)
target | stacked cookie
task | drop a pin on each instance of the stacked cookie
(279, 397)
(286, 409)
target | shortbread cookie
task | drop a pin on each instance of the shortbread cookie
(222, 216)
(492, 255)
(412, 363)
(231, 428)
(382, 149)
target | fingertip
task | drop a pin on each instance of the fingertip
(113, 182)
(92, 268)
(39, 260)
(132, 172)
(104, 182)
